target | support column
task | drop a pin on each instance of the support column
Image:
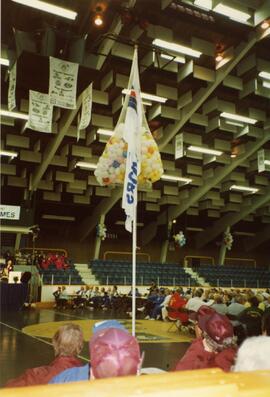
(165, 246)
(98, 240)
(18, 241)
(223, 249)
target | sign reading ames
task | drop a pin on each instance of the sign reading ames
(10, 212)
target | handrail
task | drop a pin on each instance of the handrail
(242, 259)
(209, 383)
(45, 249)
(200, 257)
(126, 253)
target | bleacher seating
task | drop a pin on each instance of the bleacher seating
(67, 276)
(235, 276)
(120, 272)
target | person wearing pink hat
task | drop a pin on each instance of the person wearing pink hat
(214, 345)
(113, 351)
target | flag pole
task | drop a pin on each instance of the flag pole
(134, 246)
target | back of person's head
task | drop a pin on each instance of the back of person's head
(253, 301)
(218, 298)
(198, 293)
(217, 330)
(114, 352)
(253, 354)
(68, 340)
(266, 323)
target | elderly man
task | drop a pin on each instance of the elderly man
(67, 343)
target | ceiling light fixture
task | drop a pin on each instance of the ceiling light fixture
(84, 164)
(177, 59)
(98, 20)
(148, 97)
(167, 45)
(237, 117)
(206, 4)
(267, 162)
(244, 188)
(266, 84)
(175, 178)
(219, 58)
(231, 12)
(232, 122)
(4, 61)
(204, 150)
(264, 75)
(102, 131)
(15, 115)
(265, 25)
(8, 153)
(50, 8)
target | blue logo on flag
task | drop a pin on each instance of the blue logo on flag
(132, 102)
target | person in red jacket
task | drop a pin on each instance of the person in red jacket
(176, 307)
(67, 343)
(215, 343)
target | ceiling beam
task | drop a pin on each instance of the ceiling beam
(203, 93)
(90, 222)
(262, 13)
(220, 173)
(248, 206)
(53, 145)
(260, 238)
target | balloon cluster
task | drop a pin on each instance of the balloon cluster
(180, 239)
(101, 231)
(112, 163)
(228, 240)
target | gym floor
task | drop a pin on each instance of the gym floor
(26, 338)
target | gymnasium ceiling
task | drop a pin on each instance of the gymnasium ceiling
(44, 175)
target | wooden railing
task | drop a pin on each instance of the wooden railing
(253, 261)
(116, 254)
(203, 383)
(45, 250)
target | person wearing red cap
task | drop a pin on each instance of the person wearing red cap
(113, 351)
(215, 343)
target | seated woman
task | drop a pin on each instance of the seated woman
(67, 344)
(215, 343)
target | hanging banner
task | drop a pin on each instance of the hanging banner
(12, 87)
(85, 117)
(179, 146)
(63, 83)
(40, 112)
(261, 159)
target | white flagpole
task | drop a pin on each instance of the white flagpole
(134, 247)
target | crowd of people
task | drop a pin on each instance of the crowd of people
(115, 352)
(39, 259)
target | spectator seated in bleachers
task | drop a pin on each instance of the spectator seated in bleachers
(215, 343)
(251, 318)
(67, 343)
(113, 352)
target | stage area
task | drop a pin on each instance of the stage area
(26, 338)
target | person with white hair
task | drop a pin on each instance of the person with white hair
(253, 354)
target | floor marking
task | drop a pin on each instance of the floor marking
(35, 337)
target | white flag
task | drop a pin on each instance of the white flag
(63, 83)
(132, 135)
(12, 87)
(85, 117)
(40, 112)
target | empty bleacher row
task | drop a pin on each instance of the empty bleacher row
(120, 272)
(234, 276)
(67, 276)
